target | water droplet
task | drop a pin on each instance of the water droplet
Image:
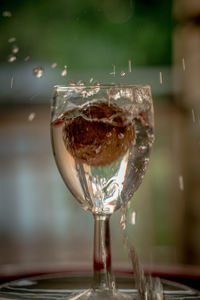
(11, 40)
(113, 72)
(11, 82)
(7, 13)
(31, 117)
(181, 183)
(129, 66)
(109, 134)
(26, 58)
(54, 65)
(193, 116)
(38, 72)
(183, 64)
(11, 58)
(120, 136)
(15, 49)
(161, 77)
(64, 71)
(91, 79)
(132, 217)
(123, 73)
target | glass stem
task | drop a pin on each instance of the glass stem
(102, 276)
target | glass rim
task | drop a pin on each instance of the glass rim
(117, 85)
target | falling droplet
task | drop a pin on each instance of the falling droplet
(91, 79)
(15, 49)
(183, 64)
(181, 183)
(123, 73)
(54, 65)
(11, 82)
(161, 78)
(129, 66)
(64, 72)
(26, 58)
(7, 13)
(38, 72)
(11, 40)
(132, 217)
(31, 117)
(120, 136)
(193, 116)
(11, 58)
(113, 72)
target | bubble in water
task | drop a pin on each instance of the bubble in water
(120, 136)
(31, 117)
(64, 71)
(11, 58)
(7, 13)
(15, 49)
(38, 72)
(11, 40)
(123, 73)
(26, 58)
(109, 134)
(54, 65)
(181, 183)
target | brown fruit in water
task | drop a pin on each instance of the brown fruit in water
(94, 141)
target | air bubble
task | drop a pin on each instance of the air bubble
(11, 58)
(38, 72)
(120, 136)
(109, 134)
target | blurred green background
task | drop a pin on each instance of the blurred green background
(40, 223)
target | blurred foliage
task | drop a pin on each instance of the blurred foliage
(87, 34)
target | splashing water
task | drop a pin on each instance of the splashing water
(7, 14)
(12, 40)
(38, 72)
(15, 49)
(161, 78)
(64, 72)
(54, 65)
(31, 117)
(181, 183)
(11, 58)
(122, 73)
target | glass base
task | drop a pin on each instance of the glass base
(77, 286)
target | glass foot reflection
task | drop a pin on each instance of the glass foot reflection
(77, 286)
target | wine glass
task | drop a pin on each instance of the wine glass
(102, 137)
